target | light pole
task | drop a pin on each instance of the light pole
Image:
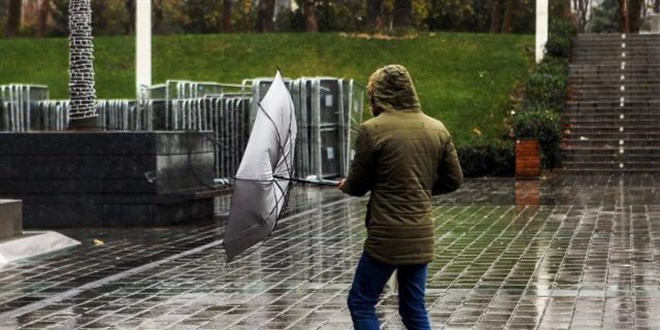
(142, 45)
(541, 28)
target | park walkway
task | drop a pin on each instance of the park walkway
(561, 253)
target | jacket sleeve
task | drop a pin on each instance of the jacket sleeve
(360, 177)
(450, 174)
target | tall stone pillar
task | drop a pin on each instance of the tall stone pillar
(81, 73)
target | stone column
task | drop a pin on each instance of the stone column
(81, 73)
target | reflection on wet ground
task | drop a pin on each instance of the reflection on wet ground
(566, 252)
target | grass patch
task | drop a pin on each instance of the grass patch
(462, 79)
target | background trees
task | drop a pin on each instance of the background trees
(116, 17)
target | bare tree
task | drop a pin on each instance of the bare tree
(509, 14)
(265, 12)
(623, 16)
(581, 8)
(13, 18)
(225, 19)
(402, 14)
(495, 16)
(309, 10)
(374, 19)
(130, 11)
(635, 15)
(44, 14)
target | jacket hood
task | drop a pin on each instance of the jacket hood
(391, 89)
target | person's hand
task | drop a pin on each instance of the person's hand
(342, 184)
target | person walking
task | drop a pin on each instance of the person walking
(403, 157)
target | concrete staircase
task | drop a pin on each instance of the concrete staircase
(612, 116)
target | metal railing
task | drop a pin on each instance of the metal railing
(328, 112)
(18, 106)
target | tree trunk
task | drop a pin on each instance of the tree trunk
(159, 16)
(623, 16)
(309, 9)
(265, 12)
(130, 10)
(225, 20)
(495, 16)
(375, 15)
(509, 14)
(13, 18)
(582, 8)
(44, 14)
(402, 14)
(635, 15)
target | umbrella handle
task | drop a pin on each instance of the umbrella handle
(331, 183)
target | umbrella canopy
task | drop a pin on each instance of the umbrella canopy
(262, 181)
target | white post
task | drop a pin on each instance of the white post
(142, 44)
(541, 28)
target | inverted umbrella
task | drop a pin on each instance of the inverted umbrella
(263, 179)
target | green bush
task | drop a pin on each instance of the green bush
(562, 33)
(543, 125)
(553, 65)
(496, 158)
(546, 91)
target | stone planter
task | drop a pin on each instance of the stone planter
(528, 159)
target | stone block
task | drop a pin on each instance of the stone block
(11, 224)
(73, 179)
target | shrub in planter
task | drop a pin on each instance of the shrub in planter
(546, 91)
(543, 125)
(496, 158)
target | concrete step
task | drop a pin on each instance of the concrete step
(609, 143)
(640, 152)
(609, 98)
(614, 157)
(33, 243)
(613, 80)
(602, 134)
(629, 67)
(11, 218)
(581, 129)
(614, 103)
(611, 120)
(613, 165)
(596, 58)
(621, 89)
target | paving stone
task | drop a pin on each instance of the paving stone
(584, 257)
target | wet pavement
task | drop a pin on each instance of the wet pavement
(560, 253)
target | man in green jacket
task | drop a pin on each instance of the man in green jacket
(403, 157)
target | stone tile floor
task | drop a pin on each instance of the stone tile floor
(560, 253)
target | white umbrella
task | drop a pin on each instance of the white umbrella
(264, 176)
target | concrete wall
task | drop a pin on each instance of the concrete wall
(87, 179)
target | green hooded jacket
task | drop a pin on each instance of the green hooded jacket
(403, 157)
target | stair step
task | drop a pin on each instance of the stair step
(609, 143)
(616, 136)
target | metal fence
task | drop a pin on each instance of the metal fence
(18, 104)
(328, 110)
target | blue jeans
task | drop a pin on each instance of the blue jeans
(370, 278)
